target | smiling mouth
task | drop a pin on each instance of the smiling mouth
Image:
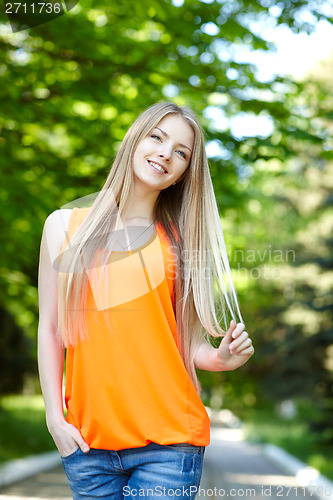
(157, 167)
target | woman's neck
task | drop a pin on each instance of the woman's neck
(140, 207)
(138, 221)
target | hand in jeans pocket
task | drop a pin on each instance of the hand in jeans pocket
(67, 438)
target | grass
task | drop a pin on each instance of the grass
(22, 427)
(266, 426)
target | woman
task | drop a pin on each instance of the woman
(127, 287)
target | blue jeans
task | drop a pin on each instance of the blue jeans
(152, 471)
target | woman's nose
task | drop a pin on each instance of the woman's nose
(166, 154)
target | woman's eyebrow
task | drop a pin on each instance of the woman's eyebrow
(166, 135)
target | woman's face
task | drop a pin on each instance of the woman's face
(162, 157)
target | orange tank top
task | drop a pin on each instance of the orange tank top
(126, 384)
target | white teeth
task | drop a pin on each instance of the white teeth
(157, 166)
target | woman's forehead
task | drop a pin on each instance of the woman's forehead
(175, 126)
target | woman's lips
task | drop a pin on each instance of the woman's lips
(155, 169)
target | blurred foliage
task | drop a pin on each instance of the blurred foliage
(281, 253)
(23, 428)
(70, 90)
(15, 356)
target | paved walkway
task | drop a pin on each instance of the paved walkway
(236, 469)
(232, 468)
(51, 485)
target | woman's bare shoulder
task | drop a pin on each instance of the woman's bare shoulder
(59, 217)
(56, 227)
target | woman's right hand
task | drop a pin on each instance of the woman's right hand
(67, 438)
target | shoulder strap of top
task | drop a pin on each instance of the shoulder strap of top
(77, 217)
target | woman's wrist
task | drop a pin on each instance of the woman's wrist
(54, 420)
(220, 365)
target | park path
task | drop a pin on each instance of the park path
(236, 469)
(232, 468)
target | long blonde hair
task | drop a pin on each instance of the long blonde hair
(204, 289)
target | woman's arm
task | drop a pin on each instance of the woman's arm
(50, 350)
(234, 350)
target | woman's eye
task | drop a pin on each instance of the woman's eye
(154, 136)
(182, 154)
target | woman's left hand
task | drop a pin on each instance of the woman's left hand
(236, 347)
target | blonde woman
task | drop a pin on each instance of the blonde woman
(133, 287)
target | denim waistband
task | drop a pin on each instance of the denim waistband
(181, 444)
